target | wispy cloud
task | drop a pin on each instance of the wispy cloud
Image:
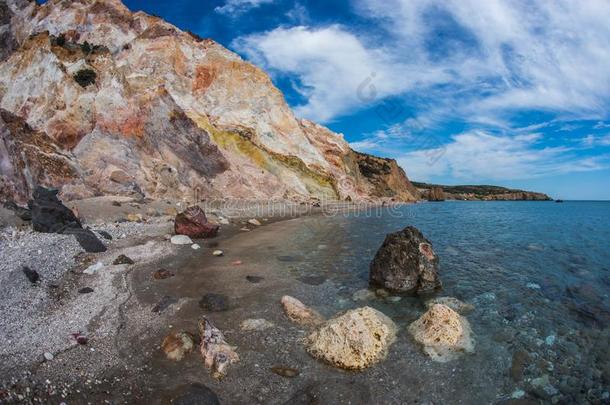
(478, 155)
(481, 60)
(234, 8)
(336, 71)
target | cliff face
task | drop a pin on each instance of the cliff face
(135, 106)
(477, 193)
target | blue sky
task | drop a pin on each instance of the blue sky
(503, 92)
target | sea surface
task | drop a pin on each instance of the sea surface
(538, 274)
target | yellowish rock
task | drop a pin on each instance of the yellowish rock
(354, 340)
(134, 217)
(176, 345)
(458, 306)
(300, 313)
(443, 333)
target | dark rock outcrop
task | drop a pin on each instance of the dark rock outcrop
(49, 215)
(405, 262)
(194, 224)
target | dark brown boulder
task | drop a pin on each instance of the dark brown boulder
(194, 224)
(406, 263)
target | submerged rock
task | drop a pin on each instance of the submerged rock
(458, 306)
(405, 262)
(213, 302)
(443, 333)
(254, 222)
(300, 313)
(285, 371)
(216, 352)
(177, 344)
(256, 324)
(194, 224)
(162, 274)
(254, 279)
(196, 394)
(164, 303)
(363, 295)
(353, 341)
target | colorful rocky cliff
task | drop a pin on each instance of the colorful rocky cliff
(98, 100)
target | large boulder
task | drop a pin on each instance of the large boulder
(443, 333)
(406, 263)
(194, 224)
(353, 341)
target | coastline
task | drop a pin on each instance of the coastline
(115, 305)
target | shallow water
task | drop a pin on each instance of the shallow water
(538, 274)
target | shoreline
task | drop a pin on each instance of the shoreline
(33, 354)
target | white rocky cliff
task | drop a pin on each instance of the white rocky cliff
(124, 103)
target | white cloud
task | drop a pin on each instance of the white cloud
(237, 7)
(336, 71)
(591, 140)
(477, 156)
(493, 57)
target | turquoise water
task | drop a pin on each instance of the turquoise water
(537, 272)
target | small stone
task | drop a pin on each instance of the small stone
(32, 275)
(453, 303)
(550, 340)
(237, 263)
(520, 360)
(254, 279)
(194, 223)
(363, 295)
(518, 394)
(48, 356)
(381, 293)
(245, 229)
(176, 345)
(533, 286)
(256, 324)
(135, 217)
(394, 299)
(223, 221)
(195, 246)
(162, 274)
(285, 371)
(85, 290)
(213, 302)
(116, 204)
(217, 354)
(218, 253)
(122, 259)
(94, 268)
(254, 222)
(164, 303)
(181, 240)
(298, 312)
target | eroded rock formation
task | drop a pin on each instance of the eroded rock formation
(443, 333)
(124, 103)
(354, 340)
